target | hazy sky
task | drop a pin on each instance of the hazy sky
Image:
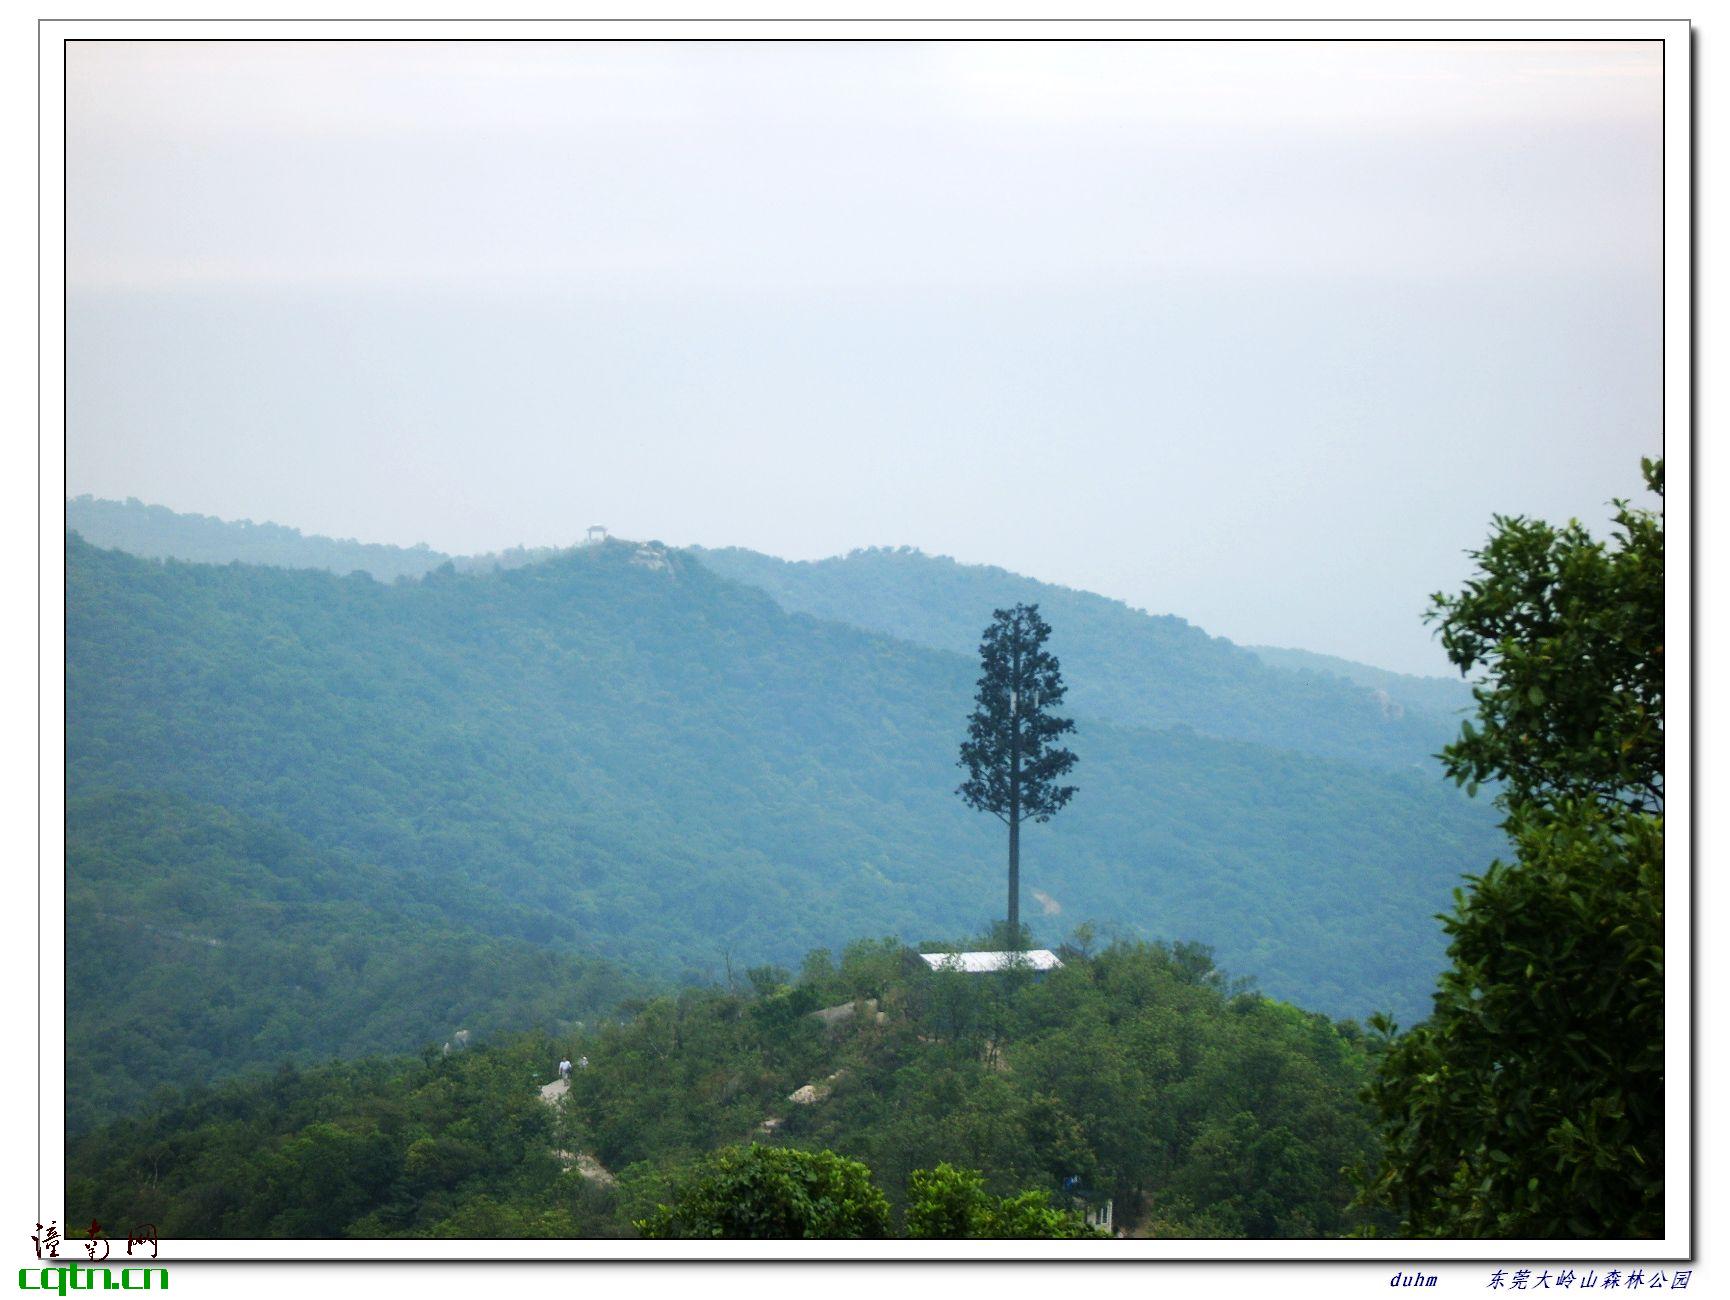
(1260, 334)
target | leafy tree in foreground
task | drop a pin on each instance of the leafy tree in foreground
(1570, 633)
(759, 1192)
(952, 1203)
(1530, 1104)
(1013, 762)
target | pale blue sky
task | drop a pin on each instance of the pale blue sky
(1259, 334)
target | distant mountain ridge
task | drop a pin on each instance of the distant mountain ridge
(1123, 665)
(1446, 696)
(158, 533)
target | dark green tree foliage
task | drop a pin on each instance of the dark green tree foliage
(1530, 1104)
(759, 1192)
(951, 1204)
(1569, 632)
(1013, 762)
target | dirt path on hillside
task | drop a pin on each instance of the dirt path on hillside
(584, 1163)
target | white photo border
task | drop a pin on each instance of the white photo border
(1679, 1242)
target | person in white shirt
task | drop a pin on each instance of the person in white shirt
(564, 1069)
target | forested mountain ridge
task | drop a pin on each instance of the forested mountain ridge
(618, 754)
(1124, 665)
(158, 533)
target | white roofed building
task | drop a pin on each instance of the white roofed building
(975, 963)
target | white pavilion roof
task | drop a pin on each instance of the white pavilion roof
(977, 962)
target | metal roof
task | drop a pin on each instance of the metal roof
(976, 962)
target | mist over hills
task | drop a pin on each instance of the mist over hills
(158, 533)
(1450, 697)
(623, 759)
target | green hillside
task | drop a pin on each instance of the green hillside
(1141, 669)
(201, 942)
(1134, 1074)
(619, 755)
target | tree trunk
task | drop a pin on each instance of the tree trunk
(1015, 807)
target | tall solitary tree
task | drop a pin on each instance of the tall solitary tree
(1012, 759)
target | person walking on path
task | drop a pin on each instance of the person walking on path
(565, 1069)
